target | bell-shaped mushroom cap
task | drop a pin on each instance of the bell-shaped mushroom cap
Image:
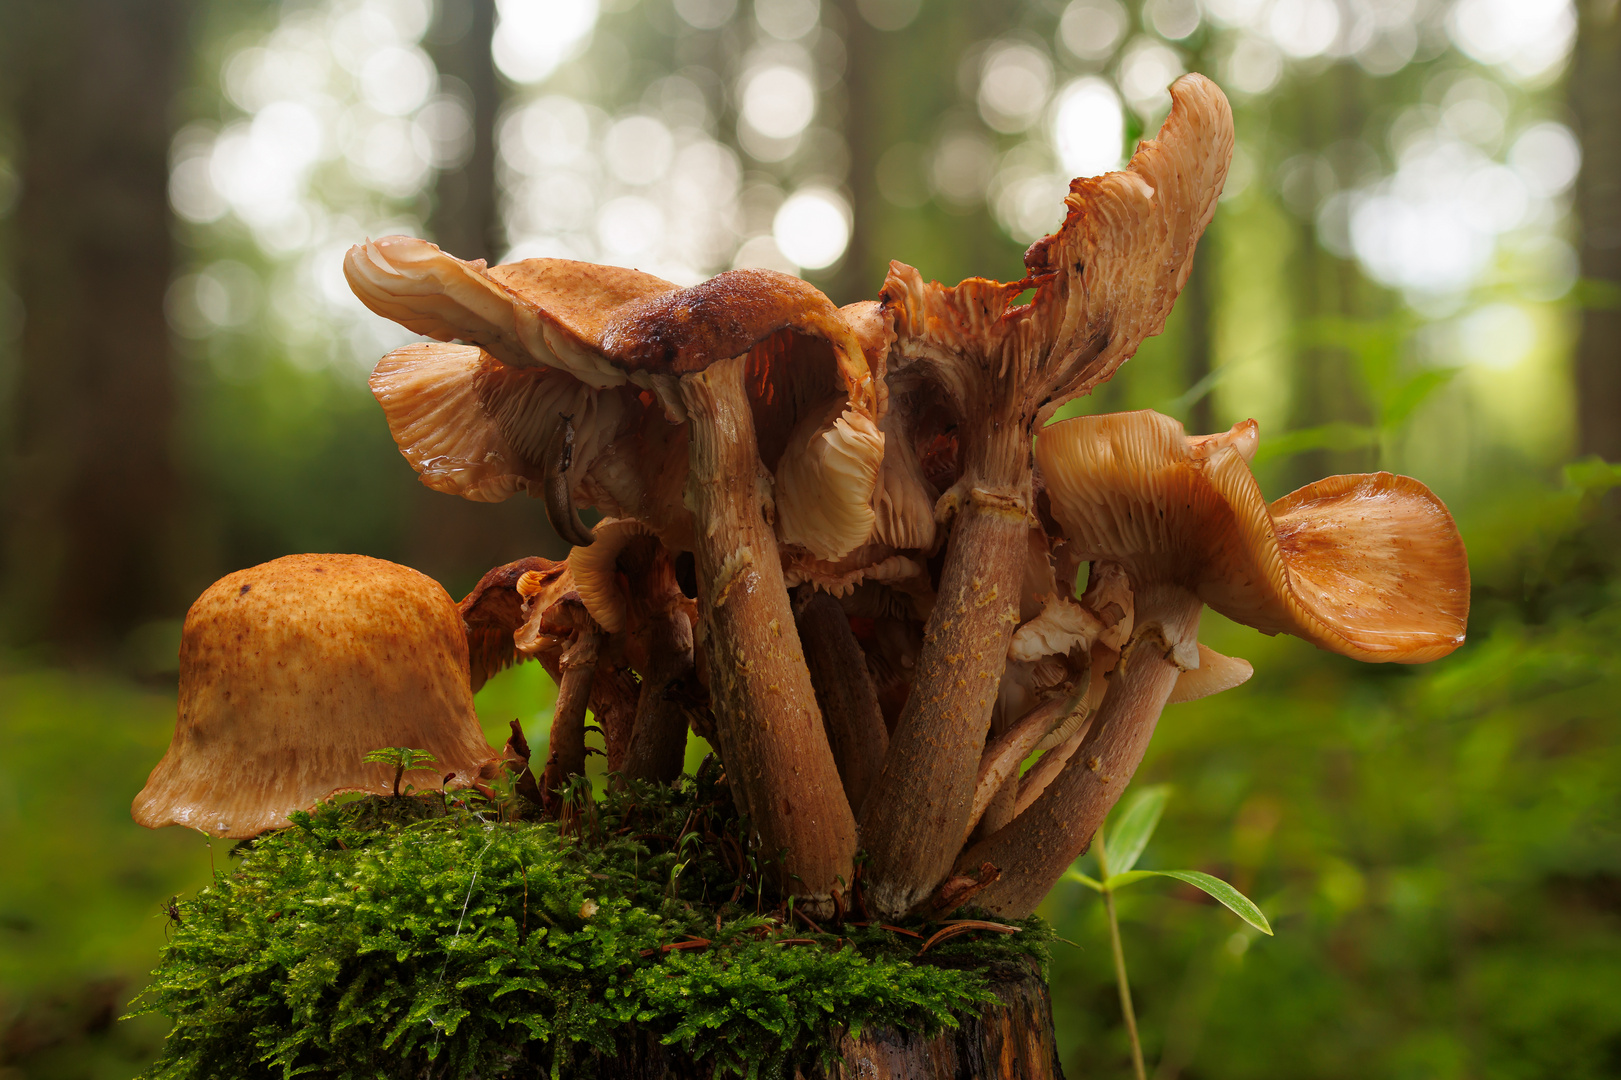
(1103, 282)
(291, 672)
(1369, 566)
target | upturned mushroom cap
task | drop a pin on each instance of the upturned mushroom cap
(614, 600)
(291, 672)
(1103, 282)
(1369, 566)
(574, 354)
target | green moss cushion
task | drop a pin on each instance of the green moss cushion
(427, 936)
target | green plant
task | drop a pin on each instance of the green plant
(421, 935)
(1128, 838)
(403, 758)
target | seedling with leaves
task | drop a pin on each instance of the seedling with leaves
(1117, 850)
(403, 758)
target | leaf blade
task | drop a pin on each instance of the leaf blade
(1130, 834)
(1225, 894)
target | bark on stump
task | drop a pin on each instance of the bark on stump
(1010, 1040)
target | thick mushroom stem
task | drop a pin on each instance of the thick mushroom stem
(1035, 849)
(658, 742)
(918, 813)
(844, 690)
(565, 752)
(768, 725)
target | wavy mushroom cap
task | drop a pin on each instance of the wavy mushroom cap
(1369, 566)
(290, 672)
(1104, 282)
(570, 356)
(625, 575)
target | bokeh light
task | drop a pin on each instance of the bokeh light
(812, 228)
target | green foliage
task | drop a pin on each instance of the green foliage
(1438, 847)
(1117, 850)
(391, 937)
(403, 758)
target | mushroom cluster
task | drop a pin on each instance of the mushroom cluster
(846, 545)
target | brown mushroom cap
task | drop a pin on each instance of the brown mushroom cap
(1103, 282)
(1369, 566)
(291, 672)
(555, 391)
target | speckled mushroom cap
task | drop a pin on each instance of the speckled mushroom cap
(290, 672)
(1369, 566)
(566, 359)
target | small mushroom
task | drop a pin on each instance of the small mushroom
(1368, 566)
(561, 630)
(996, 370)
(627, 580)
(291, 672)
(493, 612)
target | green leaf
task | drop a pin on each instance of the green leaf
(1126, 877)
(1090, 882)
(1236, 902)
(1130, 833)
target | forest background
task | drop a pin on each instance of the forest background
(1416, 266)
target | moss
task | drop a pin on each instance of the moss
(426, 936)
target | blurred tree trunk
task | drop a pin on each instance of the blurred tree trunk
(466, 217)
(861, 273)
(450, 537)
(1595, 101)
(94, 494)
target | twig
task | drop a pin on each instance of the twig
(963, 926)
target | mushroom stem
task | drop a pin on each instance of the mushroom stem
(658, 741)
(1034, 849)
(1039, 775)
(844, 690)
(1003, 755)
(559, 500)
(767, 723)
(565, 751)
(918, 813)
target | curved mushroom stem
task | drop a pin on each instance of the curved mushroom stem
(1035, 849)
(658, 742)
(565, 752)
(1046, 768)
(1000, 763)
(559, 500)
(917, 814)
(844, 690)
(768, 726)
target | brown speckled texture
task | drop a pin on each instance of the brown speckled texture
(290, 672)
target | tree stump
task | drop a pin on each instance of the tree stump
(1009, 1040)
